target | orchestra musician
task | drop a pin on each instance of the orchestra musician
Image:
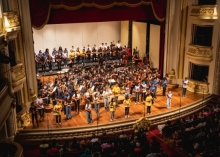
(96, 100)
(88, 54)
(57, 112)
(59, 59)
(112, 108)
(49, 61)
(40, 106)
(71, 57)
(88, 109)
(94, 50)
(185, 85)
(148, 102)
(106, 96)
(65, 56)
(77, 55)
(43, 62)
(83, 55)
(33, 111)
(127, 103)
(76, 98)
(116, 91)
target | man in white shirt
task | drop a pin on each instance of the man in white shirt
(118, 45)
(185, 85)
(40, 106)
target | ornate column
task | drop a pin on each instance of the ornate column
(28, 48)
(172, 31)
(183, 38)
(10, 127)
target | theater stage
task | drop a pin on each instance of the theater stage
(78, 127)
(136, 112)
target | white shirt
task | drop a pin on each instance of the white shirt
(118, 45)
(137, 88)
(39, 102)
(144, 86)
(169, 95)
(185, 83)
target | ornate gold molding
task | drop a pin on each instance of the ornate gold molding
(18, 76)
(198, 87)
(200, 53)
(183, 39)
(11, 24)
(206, 12)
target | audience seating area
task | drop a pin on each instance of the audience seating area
(197, 135)
(122, 145)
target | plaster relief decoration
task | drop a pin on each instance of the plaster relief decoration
(206, 12)
(18, 75)
(11, 24)
(200, 53)
(198, 87)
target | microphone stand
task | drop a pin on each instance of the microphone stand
(97, 124)
(180, 104)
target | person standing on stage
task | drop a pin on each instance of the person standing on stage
(148, 103)
(112, 108)
(143, 90)
(65, 56)
(137, 89)
(116, 91)
(33, 111)
(164, 85)
(76, 97)
(67, 105)
(88, 108)
(96, 100)
(169, 97)
(127, 103)
(185, 85)
(106, 95)
(57, 111)
(40, 106)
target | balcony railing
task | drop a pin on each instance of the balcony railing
(205, 12)
(18, 76)
(200, 53)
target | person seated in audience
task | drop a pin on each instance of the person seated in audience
(53, 151)
(216, 109)
(44, 144)
(162, 128)
(94, 139)
(87, 153)
(123, 135)
(54, 143)
(137, 147)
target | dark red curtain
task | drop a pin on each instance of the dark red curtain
(72, 11)
(92, 14)
(161, 48)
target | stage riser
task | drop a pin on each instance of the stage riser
(87, 131)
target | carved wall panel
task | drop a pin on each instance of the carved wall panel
(200, 53)
(204, 12)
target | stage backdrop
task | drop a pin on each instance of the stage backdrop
(154, 53)
(77, 35)
(139, 37)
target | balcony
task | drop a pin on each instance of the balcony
(6, 99)
(200, 53)
(11, 24)
(18, 76)
(204, 12)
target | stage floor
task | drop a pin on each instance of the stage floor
(136, 112)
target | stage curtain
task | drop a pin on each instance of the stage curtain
(161, 48)
(70, 11)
